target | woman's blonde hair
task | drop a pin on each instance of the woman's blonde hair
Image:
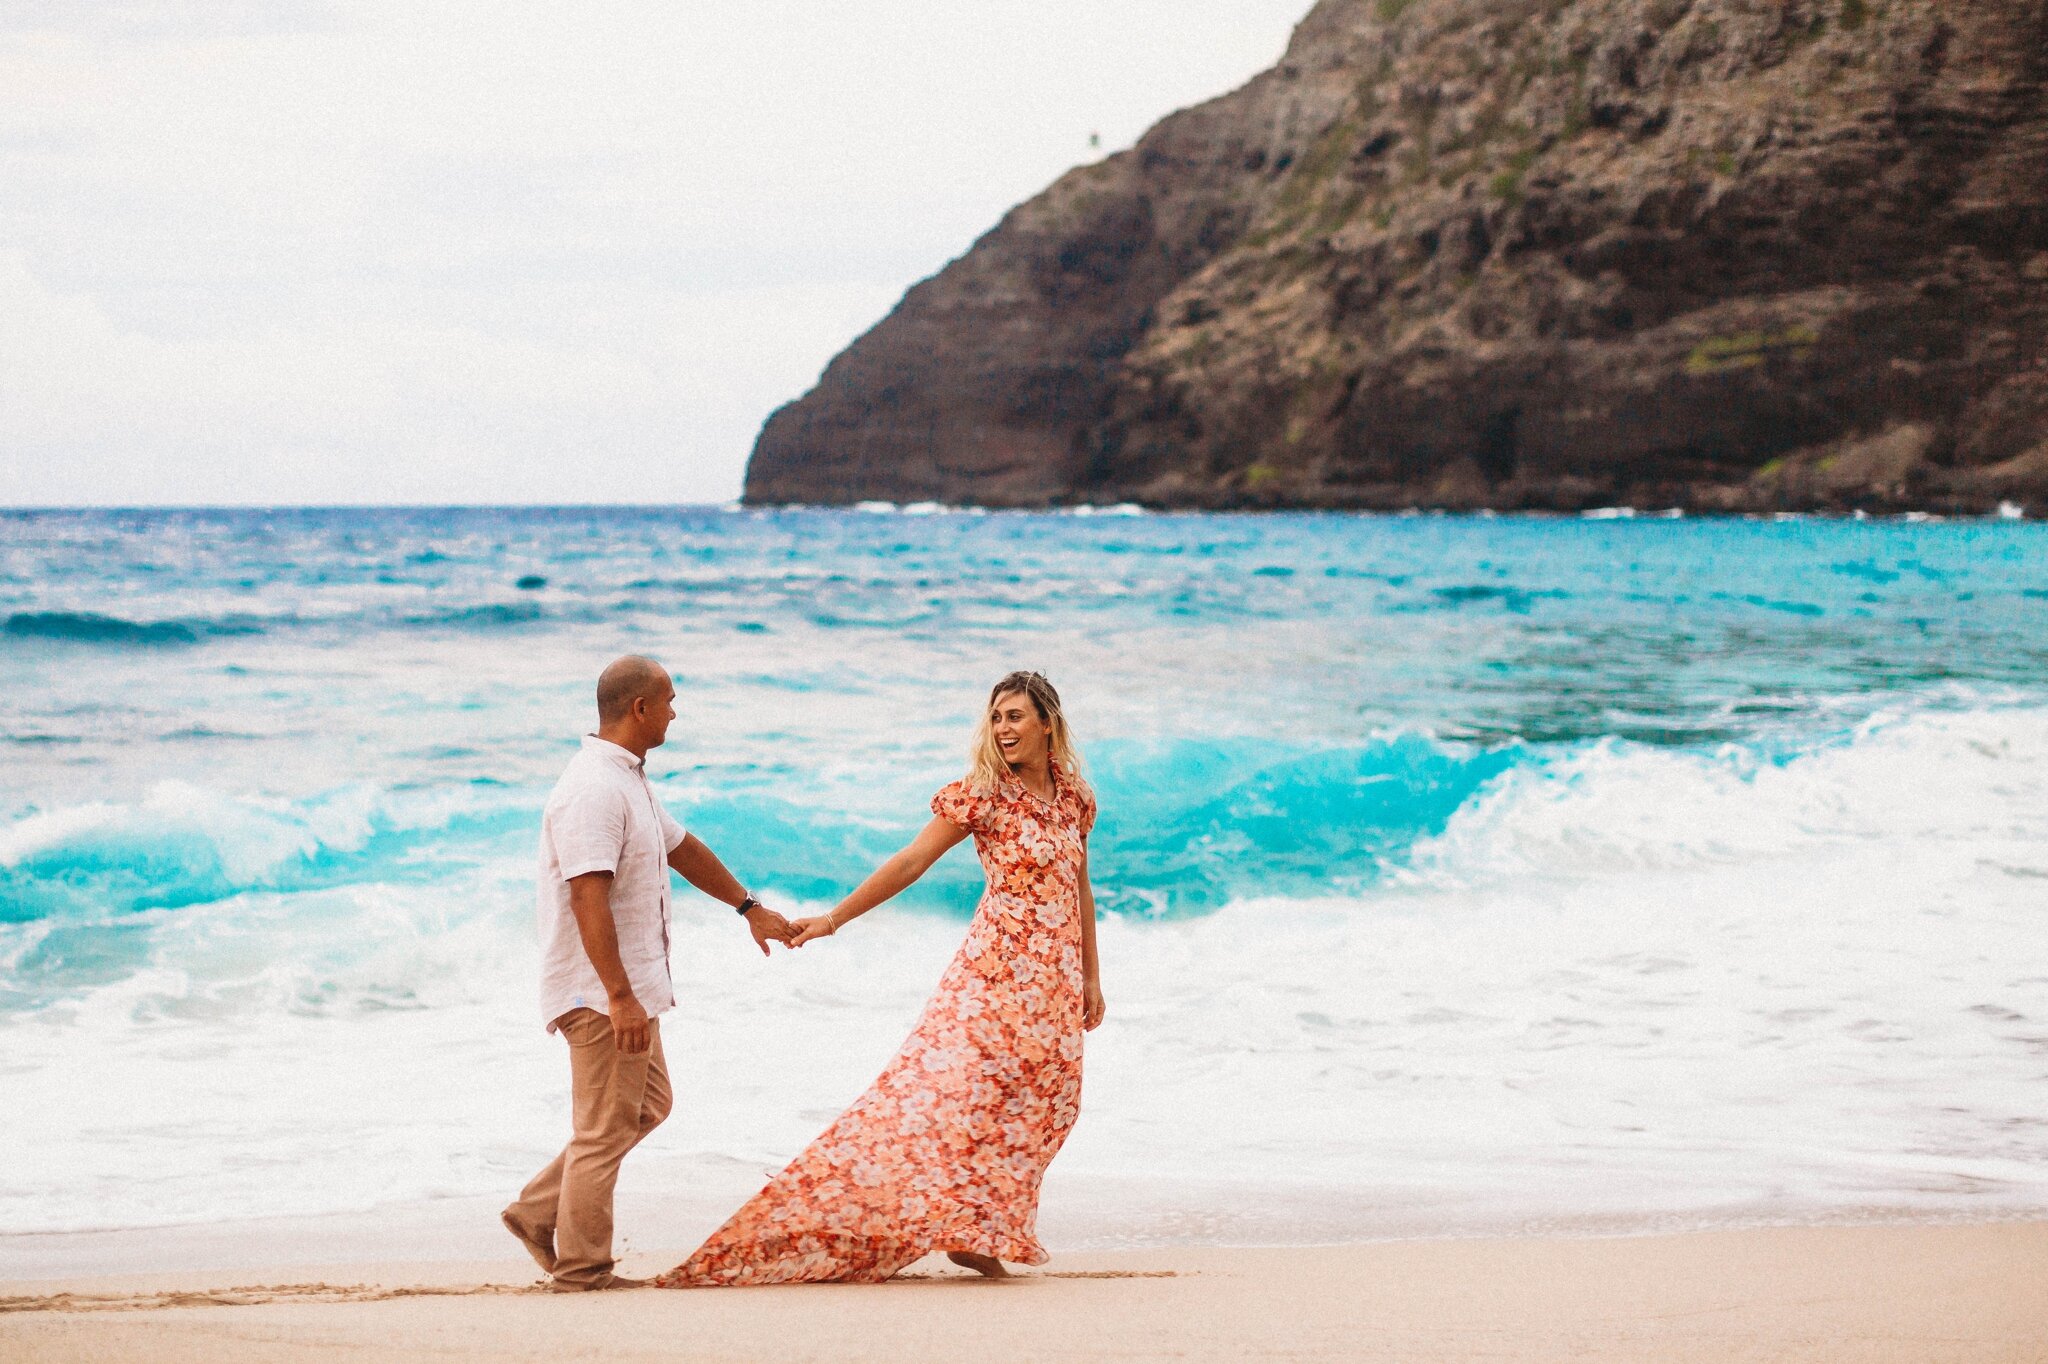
(987, 768)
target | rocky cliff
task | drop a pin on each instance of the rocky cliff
(1720, 254)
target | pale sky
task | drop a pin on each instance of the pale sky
(419, 251)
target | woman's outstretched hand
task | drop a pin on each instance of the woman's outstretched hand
(1092, 1007)
(820, 926)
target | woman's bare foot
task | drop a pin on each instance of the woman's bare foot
(988, 1266)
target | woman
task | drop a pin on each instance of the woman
(946, 1149)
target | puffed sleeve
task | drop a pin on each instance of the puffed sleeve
(957, 805)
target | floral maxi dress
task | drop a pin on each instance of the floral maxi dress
(946, 1149)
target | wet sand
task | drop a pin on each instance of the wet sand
(1897, 1294)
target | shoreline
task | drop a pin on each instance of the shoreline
(1595, 511)
(1890, 1294)
(1082, 1215)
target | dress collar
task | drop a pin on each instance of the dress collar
(1052, 770)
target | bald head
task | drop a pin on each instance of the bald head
(624, 682)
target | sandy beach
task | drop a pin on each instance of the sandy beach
(1871, 1295)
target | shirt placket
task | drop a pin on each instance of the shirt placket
(660, 868)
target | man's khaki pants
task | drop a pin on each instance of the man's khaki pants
(618, 1100)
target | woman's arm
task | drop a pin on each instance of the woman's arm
(1092, 1007)
(886, 881)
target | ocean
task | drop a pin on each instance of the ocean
(1485, 869)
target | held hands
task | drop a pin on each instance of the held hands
(808, 930)
(768, 926)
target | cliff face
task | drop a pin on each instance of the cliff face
(1721, 254)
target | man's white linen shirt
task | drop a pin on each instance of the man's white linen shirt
(603, 816)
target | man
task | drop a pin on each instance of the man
(606, 847)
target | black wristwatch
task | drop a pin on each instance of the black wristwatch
(746, 904)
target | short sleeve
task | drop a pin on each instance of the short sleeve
(588, 832)
(957, 805)
(672, 833)
(1087, 818)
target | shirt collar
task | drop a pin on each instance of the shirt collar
(605, 748)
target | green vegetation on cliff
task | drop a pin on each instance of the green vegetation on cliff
(1511, 253)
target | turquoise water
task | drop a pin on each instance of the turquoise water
(1274, 702)
(280, 764)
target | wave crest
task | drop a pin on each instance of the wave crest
(96, 892)
(184, 845)
(1933, 777)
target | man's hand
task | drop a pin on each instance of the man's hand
(1092, 1007)
(767, 926)
(629, 1024)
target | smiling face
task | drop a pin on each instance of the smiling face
(1021, 733)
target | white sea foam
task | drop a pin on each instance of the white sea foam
(51, 828)
(1642, 980)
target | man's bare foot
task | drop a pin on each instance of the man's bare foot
(988, 1266)
(540, 1245)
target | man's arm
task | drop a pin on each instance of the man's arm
(590, 900)
(700, 866)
